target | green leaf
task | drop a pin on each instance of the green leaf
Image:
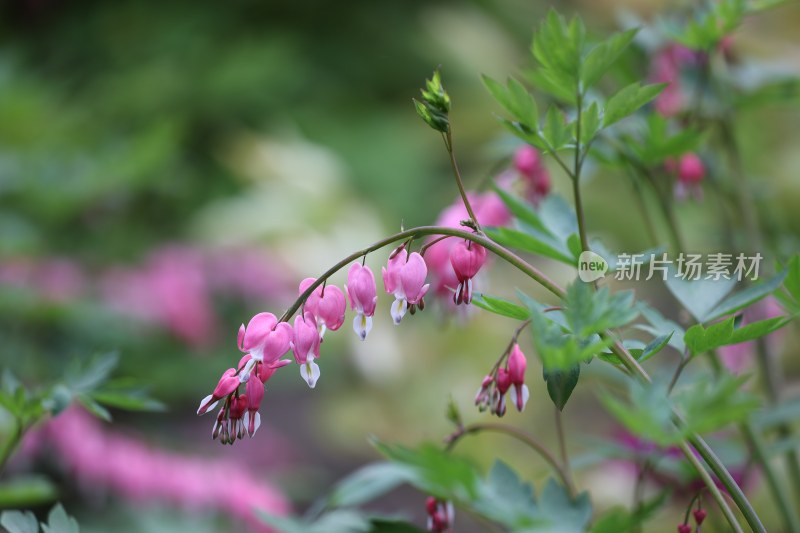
(699, 297)
(628, 100)
(554, 130)
(27, 491)
(699, 339)
(500, 306)
(95, 408)
(589, 312)
(602, 56)
(96, 373)
(660, 326)
(758, 329)
(505, 498)
(620, 520)
(786, 412)
(705, 404)
(58, 521)
(521, 209)
(590, 123)
(561, 383)
(19, 522)
(527, 242)
(134, 400)
(368, 483)
(655, 346)
(382, 525)
(516, 100)
(747, 297)
(558, 47)
(433, 471)
(568, 514)
(336, 521)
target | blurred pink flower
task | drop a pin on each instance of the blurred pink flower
(666, 68)
(535, 176)
(490, 211)
(102, 460)
(54, 279)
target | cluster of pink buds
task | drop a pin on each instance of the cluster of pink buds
(441, 515)
(535, 177)
(466, 258)
(404, 277)
(690, 172)
(492, 393)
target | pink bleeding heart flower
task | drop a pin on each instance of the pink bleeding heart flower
(306, 348)
(228, 383)
(404, 277)
(536, 178)
(690, 172)
(684, 528)
(327, 303)
(255, 393)
(516, 373)
(265, 339)
(237, 413)
(502, 384)
(467, 258)
(362, 292)
(441, 515)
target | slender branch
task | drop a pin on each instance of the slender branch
(576, 175)
(422, 231)
(562, 446)
(448, 142)
(715, 492)
(521, 436)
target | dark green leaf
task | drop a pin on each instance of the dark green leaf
(655, 346)
(561, 383)
(27, 491)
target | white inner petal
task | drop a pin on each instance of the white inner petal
(399, 307)
(310, 372)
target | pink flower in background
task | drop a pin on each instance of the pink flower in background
(327, 303)
(441, 515)
(535, 176)
(690, 172)
(466, 258)
(666, 68)
(490, 211)
(306, 348)
(54, 279)
(101, 461)
(404, 277)
(363, 297)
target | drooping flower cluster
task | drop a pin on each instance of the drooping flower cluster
(441, 515)
(493, 390)
(265, 339)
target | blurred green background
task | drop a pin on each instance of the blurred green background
(253, 144)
